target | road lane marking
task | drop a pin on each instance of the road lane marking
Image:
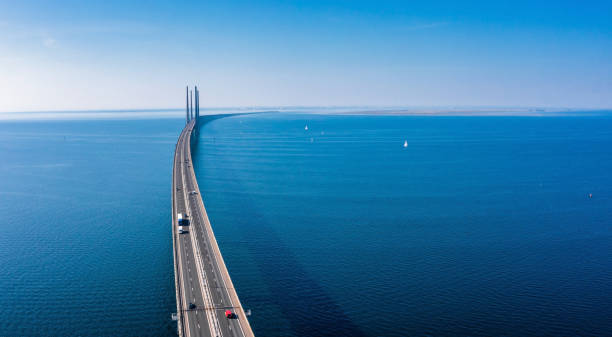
(187, 176)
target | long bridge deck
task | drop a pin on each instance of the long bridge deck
(201, 277)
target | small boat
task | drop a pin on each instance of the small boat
(405, 143)
(306, 128)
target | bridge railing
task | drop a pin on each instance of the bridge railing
(244, 324)
(177, 270)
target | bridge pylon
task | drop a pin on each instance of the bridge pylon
(187, 105)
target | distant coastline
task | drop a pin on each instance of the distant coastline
(331, 110)
(528, 112)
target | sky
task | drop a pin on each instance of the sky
(91, 55)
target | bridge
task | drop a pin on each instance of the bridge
(204, 290)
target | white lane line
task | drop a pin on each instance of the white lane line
(185, 318)
(215, 329)
(208, 234)
(207, 230)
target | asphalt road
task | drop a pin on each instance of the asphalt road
(201, 273)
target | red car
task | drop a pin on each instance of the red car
(229, 314)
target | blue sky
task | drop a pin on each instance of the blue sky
(58, 55)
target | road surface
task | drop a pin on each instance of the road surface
(200, 273)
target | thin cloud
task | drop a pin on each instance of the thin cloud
(49, 42)
(110, 27)
(427, 25)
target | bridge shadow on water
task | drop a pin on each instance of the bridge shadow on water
(303, 302)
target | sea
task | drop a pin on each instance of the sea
(330, 224)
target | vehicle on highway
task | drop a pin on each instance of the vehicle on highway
(229, 314)
(181, 230)
(193, 192)
(182, 219)
(192, 306)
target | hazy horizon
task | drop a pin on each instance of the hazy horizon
(69, 55)
(351, 107)
(179, 113)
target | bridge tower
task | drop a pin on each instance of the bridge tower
(192, 110)
(197, 106)
(198, 103)
(187, 104)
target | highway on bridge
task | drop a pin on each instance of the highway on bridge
(201, 277)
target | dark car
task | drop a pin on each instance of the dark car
(192, 306)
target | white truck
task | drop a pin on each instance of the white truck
(182, 219)
(181, 230)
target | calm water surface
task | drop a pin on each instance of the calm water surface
(481, 226)
(85, 238)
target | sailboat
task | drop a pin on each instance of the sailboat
(306, 128)
(405, 143)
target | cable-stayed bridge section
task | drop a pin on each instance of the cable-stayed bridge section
(207, 303)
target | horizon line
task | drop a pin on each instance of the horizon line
(374, 107)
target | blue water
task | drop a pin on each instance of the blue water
(85, 238)
(481, 226)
